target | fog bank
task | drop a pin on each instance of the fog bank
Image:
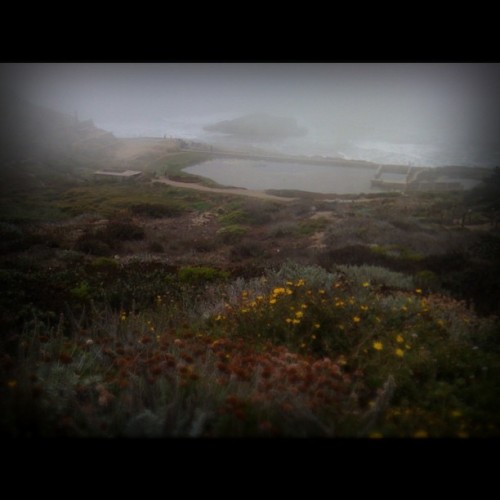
(346, 108)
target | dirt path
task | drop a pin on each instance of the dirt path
(238, 191)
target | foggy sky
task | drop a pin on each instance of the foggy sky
(450, 101)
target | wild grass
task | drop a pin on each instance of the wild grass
(100, 199)
(386, 337)
(297, 352)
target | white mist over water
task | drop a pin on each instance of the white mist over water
(425, 114)
(315, 143)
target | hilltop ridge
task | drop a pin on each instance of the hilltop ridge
(35, 133)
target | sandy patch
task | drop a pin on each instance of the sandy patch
(238, 191)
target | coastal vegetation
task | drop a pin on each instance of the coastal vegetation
(141, 309)
(138, 309)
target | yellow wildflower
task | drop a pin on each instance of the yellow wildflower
(378, 346)
(366, 284)
(295, 321)
(399, 352)
(364, 308)
(418, 290)
(279, 291)
(272, 301)
(321, 292)
(399, 339)
(299, 314)
(356, 319)
(420, 434)
(313, 336)
(303, 306)
(300, 282)
(317, 325)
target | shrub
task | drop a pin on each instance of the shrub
(357, 255)
(315, 276)
(204, 245)
(156, 247)
(311, 226)
(231, 234)
(104, 263)
(427, 280)
(199, 275)
(378, 276)
(123, 231)
(233, 217)
(247, 249)
(258, 213)
(71, 257)
(15, 239)
(82, 291)
(251, 213)
(91, 245)
(272, 356)
(156, 210)
(283, 229)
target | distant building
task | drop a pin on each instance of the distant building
(120, 176)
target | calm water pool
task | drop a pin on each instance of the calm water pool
(261, 175)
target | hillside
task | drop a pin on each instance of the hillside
(38, 142)
(142, 309)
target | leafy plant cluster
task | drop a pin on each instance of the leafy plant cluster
(299, 351)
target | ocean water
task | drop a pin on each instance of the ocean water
(317, 143)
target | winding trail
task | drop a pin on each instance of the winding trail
(253, 193)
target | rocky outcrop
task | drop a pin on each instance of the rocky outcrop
(259, 126)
